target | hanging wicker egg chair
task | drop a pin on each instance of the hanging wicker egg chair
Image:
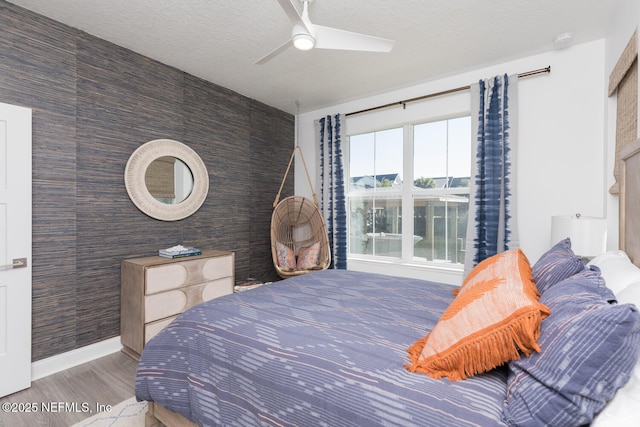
(299, 238)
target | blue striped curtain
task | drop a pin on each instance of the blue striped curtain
(329, 137)
(491, 228)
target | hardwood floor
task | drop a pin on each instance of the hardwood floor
(65, 398)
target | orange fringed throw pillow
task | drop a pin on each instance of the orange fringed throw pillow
(495, 315)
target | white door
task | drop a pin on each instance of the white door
(15, 248)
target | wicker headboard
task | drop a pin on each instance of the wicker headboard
(630, 201)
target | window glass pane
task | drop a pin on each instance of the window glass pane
(375, 160)
(459, 141)
(441, 224)
(375, 226)
(430, 155)
(442, 160)
(361, 160)
(442, 153)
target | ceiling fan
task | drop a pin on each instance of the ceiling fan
(306, 36)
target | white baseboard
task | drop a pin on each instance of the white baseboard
(60, 362)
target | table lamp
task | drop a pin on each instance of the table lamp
(588, 234)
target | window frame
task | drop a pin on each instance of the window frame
(407, 196)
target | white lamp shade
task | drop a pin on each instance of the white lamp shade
(588, 234)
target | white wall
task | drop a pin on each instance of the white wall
(562, 139)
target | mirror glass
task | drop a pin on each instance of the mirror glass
(169, 180)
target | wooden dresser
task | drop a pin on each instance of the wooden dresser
(155, 290)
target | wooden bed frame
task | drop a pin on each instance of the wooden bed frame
(157, 415)
(629, 235)
(630, 201)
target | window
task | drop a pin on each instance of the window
(420, 219)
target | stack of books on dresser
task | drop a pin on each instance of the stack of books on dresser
(179, 251)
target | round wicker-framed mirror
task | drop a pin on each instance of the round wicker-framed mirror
(140, 184)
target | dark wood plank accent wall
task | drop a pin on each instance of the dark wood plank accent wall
(93, 104)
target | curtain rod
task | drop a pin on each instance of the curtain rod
(444, 92)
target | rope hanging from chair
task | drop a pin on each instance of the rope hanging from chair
(293, 154)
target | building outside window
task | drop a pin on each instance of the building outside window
(408, 192)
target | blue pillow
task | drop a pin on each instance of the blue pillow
(588, 350)
(555, 265)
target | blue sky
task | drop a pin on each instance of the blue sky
(431, 150)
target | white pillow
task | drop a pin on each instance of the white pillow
(622, 410)
(630, 295)
(616, 269)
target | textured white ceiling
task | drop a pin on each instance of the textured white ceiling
(220, 40)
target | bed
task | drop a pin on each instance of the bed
(345, 348)
(319, 348)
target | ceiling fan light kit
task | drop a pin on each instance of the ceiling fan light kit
(303, 42)
(305, 35)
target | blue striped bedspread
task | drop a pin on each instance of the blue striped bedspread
(323, 349)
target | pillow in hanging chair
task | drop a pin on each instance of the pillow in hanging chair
(308, 256)
(286, 257)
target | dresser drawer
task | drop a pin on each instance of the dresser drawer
(160, 278)
(217, 268)
(164, 277)
(175, 301)
(164, 304)
(151, 329)
(217, 288)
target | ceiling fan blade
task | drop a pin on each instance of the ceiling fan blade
(289, 8)
(274, 52)
(333, 38)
